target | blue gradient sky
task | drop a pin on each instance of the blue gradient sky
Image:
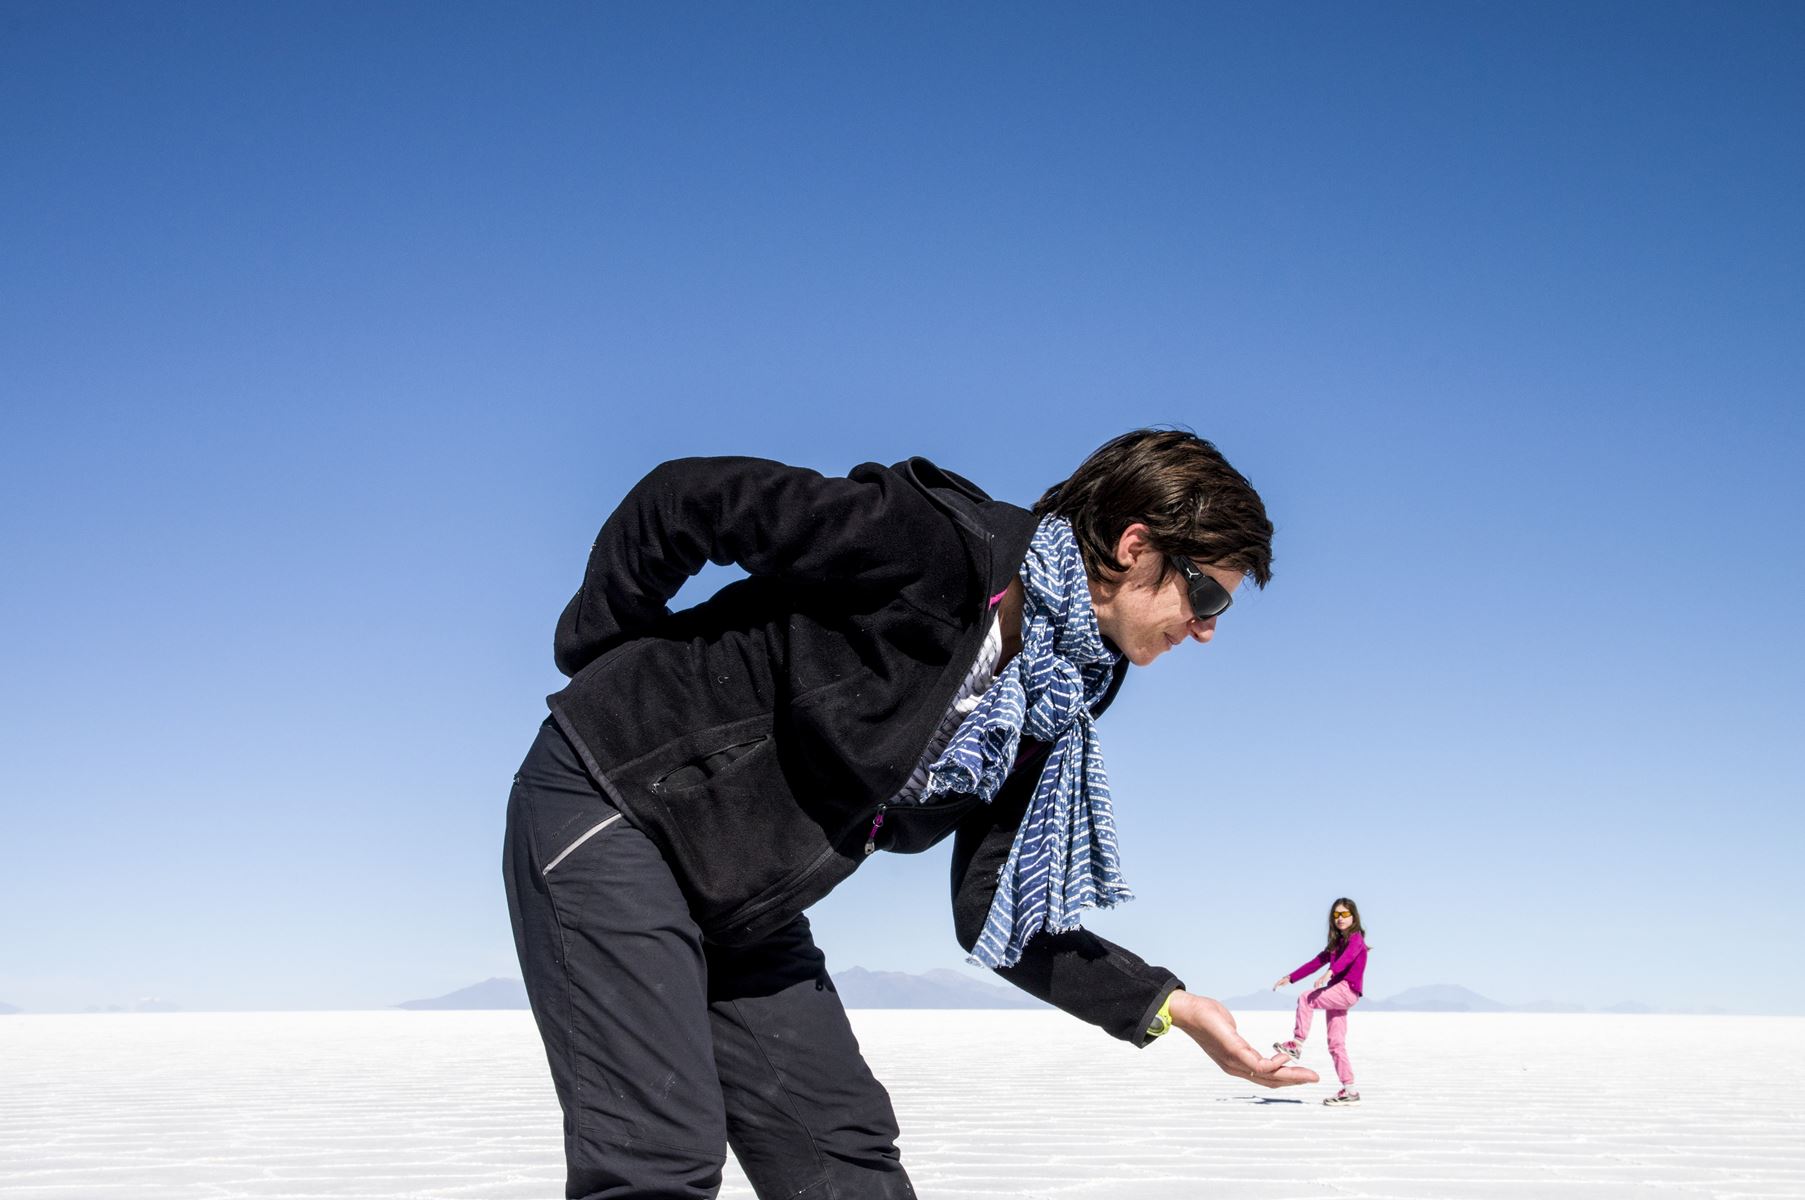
(332, 332)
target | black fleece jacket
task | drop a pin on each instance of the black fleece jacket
(757, 736)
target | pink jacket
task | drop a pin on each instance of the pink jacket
(1350, 964)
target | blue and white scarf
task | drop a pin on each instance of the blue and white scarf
(1064, 858)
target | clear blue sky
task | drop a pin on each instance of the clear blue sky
(332, 332)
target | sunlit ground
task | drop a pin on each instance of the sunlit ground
(404, 1106)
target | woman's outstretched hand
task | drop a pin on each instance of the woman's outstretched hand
(1283, 980)
(1213, 1027)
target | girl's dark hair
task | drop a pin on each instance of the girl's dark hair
(1338, 939)
(1177, 485)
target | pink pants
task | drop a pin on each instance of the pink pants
(1336, 1000)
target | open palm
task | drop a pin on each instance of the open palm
(1212, 1027)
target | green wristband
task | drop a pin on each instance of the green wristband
(1162, 1020)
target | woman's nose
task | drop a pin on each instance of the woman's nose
(1204, 630)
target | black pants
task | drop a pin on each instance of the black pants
(664, 1048)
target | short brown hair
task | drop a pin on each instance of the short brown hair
(1176, 484)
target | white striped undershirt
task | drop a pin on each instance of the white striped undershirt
(980, 677)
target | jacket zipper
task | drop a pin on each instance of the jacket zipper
(745, 916)
(877, 818)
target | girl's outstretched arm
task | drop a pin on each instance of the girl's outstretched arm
(1212, 1027)
(1304, 970)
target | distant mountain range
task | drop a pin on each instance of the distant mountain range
(945, 988)
(941, 988)
(490, 993)
(149, 1004)
(1437, 997)
(858, 988)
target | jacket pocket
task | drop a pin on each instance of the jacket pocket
(720, 805)
(713, 768)
(577, 844)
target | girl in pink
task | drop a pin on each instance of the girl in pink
(1338, 990)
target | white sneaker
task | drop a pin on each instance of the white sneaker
(1343, 1097)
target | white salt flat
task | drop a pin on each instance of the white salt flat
(443, 1106)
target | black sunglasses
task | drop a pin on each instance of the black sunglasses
(1208, 598)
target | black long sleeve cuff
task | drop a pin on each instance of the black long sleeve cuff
(1076, 972)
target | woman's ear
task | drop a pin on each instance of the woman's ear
(1132, 546)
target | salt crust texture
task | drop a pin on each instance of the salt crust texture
(406, 1106)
